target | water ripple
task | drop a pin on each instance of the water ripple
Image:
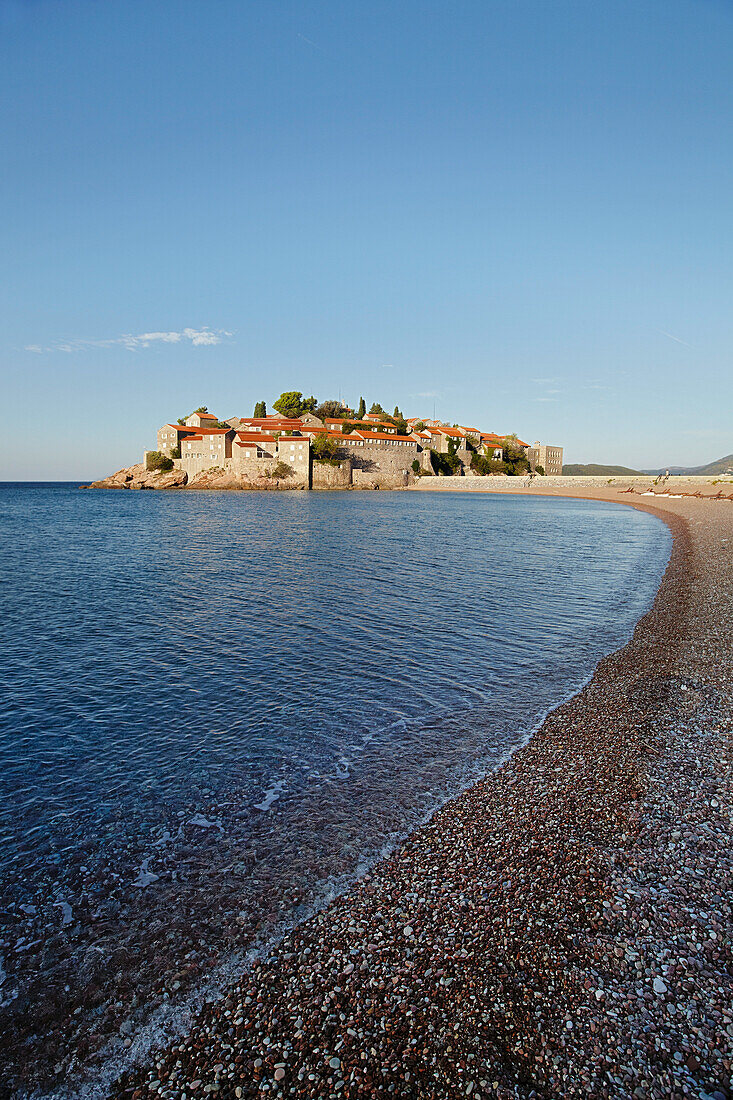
(311, 672)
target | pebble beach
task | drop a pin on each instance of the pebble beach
(561, 929)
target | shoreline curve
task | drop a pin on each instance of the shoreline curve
(493, 952)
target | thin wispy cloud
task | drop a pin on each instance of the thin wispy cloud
(310, 42)
(196, 337)
(676, 339)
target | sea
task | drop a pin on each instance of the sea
(219, 708)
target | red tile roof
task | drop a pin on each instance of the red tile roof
(500, 440)
(455, 433)
(384, 435)
(272, 421)
(202, 431)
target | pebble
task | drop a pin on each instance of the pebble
(552, 906)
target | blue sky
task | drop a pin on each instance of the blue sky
(520, 212)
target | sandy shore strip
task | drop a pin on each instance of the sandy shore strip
(562, 929)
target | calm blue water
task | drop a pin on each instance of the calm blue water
(245, 693)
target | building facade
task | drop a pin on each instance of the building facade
(373, 454)
(546, 456)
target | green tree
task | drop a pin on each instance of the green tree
(541, 471)
(201, 409)
(181, 420)
(397, 414)
(176, 451)
(260, 410)
(377, 410)
(419, 427)
(415, 466)
(483, 465)
(514, 457)
(292, 404)
(324, 448)
(331, 409)
(362, 409)
(445, 464)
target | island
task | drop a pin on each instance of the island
(306, 445)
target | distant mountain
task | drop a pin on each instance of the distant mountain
(720, 466)
(592, 470)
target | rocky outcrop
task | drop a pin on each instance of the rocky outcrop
(137, 477)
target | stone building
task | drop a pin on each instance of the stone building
(373, 455)
(493, 445)
(170, 436)
(549, 458)
(253, 445)
(201, 420)
(209, 447)
(295, 451)
(441, 436)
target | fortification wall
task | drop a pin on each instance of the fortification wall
(245, 472)
(384, 467)
(325, 476)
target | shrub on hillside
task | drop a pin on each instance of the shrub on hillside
(157, 461)
(281, 471)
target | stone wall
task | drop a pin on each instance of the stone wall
(387, 467)
(504, 484)
(253, 471)
(325, 476)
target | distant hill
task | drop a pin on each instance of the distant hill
(592, 470)
(720, 466)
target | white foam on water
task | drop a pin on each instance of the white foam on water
(271, 795)
(145, 877)
(203, 823)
